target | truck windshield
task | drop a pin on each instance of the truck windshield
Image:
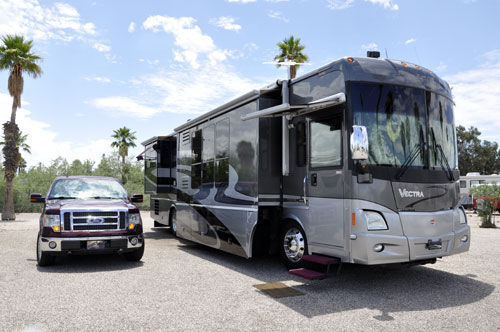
(87, 189)
(396, 119)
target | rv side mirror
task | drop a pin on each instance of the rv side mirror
(37, 198)
(137, 198)
(359, 143)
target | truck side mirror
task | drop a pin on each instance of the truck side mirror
(37, 198)
(137, 198)
(359, 143)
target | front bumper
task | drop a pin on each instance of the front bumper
(402, 249)
(78, 245)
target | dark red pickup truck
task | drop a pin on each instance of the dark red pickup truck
(88, 215)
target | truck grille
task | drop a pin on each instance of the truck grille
(94, 221)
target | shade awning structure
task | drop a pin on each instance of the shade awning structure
(286, 109)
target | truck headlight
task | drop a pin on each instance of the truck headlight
(53, 221)
(463, 216)
(133, 219)
(375, 221)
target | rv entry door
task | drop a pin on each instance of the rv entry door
(325, 179)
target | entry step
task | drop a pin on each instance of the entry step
(320, 259)
(307, 274)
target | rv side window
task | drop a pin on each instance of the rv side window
(326, 143)
(196, 155)
(208, 155)
(222, 153)
(463, 184)
(301, 144)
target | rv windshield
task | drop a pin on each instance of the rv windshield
(396, 120)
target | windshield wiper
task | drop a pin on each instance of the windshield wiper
(417, 150)
(62, 197)
(444, 162)
(103, 197)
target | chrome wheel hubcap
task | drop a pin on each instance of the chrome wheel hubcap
(294, 244)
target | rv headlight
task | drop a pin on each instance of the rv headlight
(463, 216)
(375, 221)
(53, 221)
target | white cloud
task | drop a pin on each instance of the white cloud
(242, 1)
(118, 105)
(98, 79)
(101, 47)
(387, 4)
(278, 16)
(131, 27)
(442, 67)
(28, 17)
(225, 22)
(44, 140)
(476, 94)
(410, 41)
(343, 4)
(190, 40)
(369, 47)
(339, 4)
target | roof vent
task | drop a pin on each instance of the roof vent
(373, 54)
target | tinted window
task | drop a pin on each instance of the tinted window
(463, 184)
(326, 143)
(222, 139)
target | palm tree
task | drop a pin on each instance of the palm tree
(291, 50)
(21, 144)
(15, 56)
(124, 139)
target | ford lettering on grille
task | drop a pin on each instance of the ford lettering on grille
(95, 220)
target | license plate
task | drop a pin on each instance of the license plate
(96, 245)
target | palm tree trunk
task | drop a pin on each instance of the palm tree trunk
(11, 156)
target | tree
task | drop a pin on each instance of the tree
(124, 139)
(15, 56)
(21, 144)
(487, 198)
(474, 155)
(291, 50)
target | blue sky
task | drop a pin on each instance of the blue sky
(151, 65)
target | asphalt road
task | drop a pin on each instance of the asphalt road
(181, 286)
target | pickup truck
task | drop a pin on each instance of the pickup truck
(88, 215)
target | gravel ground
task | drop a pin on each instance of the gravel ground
(179, 285)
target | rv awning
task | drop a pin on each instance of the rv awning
(287, 109)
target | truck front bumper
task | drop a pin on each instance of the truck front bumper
(81, 245)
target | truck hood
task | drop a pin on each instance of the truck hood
(89, 204)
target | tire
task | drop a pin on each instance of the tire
(173, 222)
(293, 245)
(43, 258)
(135, 255)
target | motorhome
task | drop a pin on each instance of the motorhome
(356, 160)
(472, 179)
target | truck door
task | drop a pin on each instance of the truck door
(325, 179)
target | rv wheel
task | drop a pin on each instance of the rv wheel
(173, 222)
(293, 245)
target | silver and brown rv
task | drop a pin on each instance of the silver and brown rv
(356, 160)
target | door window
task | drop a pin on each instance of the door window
(326, 143)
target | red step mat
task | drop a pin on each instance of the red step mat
(320, 259)
(307, 274)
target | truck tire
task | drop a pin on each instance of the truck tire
(173, 222)
(293, 245)
(42, 258)
(135, 255)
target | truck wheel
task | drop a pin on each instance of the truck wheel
(42, 258)
(173, 222)
(293, 245)
(135, 255)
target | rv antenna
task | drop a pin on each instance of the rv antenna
(386, 56)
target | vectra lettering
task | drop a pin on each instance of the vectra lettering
(406, 193)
